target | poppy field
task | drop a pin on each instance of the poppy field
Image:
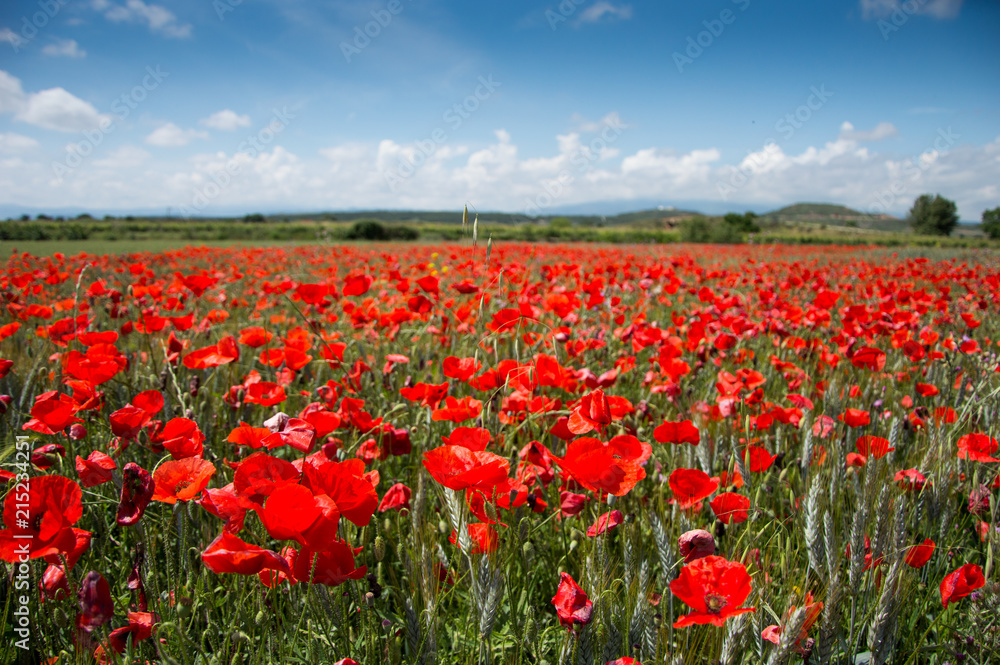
(503, 453)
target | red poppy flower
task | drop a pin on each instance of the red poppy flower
(873, 446)
(606, 522)
(731, 508)
(823, 426)
(459, 468)
(128, 421)
(458, 410)
(918, 555)
(944, 415)
(910, 480)
(484, 538)
(229, 554)
(961, 583)
(255, 337)
(344, 482)
(396, 497)
(96, 606)
(927, 390)
(246, 435)
(137, 490)
(571, 503)
(182, 438)
(592, 412)
(322, 419)
(714, 588)
(855, 417)
(461, 369)
(977, 447)
(292, 512)
(691, 486)
(683, 431)
(869, 358)
(357, 285)
(181, 480)
(332, 567)
(760, 459)
(5, 366)
(295, 433)
(425, 394)
(94, 470)
(813, 610)
(613, 467)
(53, 506)
(571, 603)
(226, 504)
(260, 474)
(265, 393)
(223, 352)
(141, 626)
(473, 438)
(51, 413)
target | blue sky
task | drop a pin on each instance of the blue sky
(238, 106)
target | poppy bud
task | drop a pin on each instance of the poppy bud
(77, 431)
(277, 422)
(696, 544)
(5, 401)
(442, 526)
(490, 510)
(523, 528)
(259, 619)
(370, 599)
(979, 501)
(379, 548)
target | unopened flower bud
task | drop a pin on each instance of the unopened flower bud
(696, 544)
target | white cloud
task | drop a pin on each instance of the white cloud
(158, 18)
(605, 10)
(226, 120)
(611, 119)
(11, 143)
(64, 47)
(878, 9)
(60, 110)
(12, 97)
(123, 157)
(54, 108)
(496, 176)
(882, 130)
(172, 136)
(11, 37)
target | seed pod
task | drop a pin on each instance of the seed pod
(379, 548)
(490, 510)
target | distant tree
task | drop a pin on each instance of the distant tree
(254, 218)
(933, 215)
(745, 223)
(84, 215)
(560, 223)
(43, 217)
(991, 222)
(25, 218)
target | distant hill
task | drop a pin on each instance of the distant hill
(835, 215)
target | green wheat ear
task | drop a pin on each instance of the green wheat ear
(465, 217)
